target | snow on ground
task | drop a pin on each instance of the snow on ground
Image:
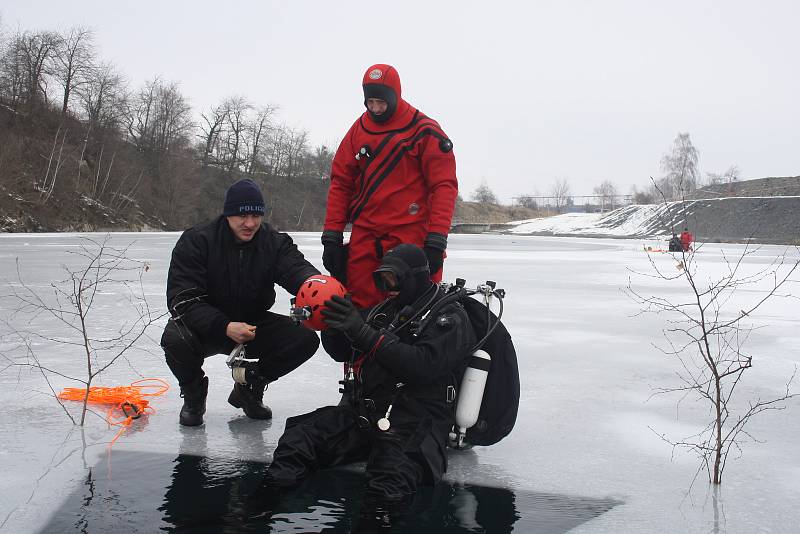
(568, 223)
(587, 422)
(641, 221)
(718, 219)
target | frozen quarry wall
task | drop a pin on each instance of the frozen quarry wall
(768, 220)
(785, 186)
(774, 219)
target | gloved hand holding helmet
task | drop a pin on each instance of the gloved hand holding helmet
(309, 305)
(403, 275)
(341, 314)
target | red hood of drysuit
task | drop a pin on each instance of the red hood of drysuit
(383, 74)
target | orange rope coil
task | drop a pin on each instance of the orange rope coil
(129, 401)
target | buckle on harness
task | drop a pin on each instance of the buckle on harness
(451, 394)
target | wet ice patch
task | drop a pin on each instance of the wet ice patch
(145, 492)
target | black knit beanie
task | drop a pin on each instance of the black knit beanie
(243, 198)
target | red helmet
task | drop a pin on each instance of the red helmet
(311, 297)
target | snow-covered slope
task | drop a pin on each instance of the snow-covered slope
(762, 219)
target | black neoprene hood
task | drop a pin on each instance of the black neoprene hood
(410, 266)
(381, 92)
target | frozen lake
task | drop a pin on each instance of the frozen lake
(581, 458)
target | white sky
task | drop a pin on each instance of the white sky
(528, 91)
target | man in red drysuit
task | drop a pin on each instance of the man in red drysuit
(686, 240)
(394, 179)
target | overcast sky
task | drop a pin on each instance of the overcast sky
(528, 91)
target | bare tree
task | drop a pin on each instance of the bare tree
(103, 95)
(158, 121)
(66, 315)
(560, 191)
(706, 331)
(25, 67)
(297, 149)
(321, 162)
(287, 149)
(103, 98)
(73, 59)
(606, 192)
(234, 135)
(528, 201)
(214, 121)
(236, 110)
(275, 152)
(141, 114)
(483, 194)
(259, 130)
(681, 167)
(173, 121)
(48, 184)
(641, 197)
(726, 178)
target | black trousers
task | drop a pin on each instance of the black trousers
(336, 435)
(280, 346)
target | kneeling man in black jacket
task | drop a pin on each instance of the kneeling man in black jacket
(220, 286)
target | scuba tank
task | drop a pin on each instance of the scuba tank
(493, 394)
(470, 395)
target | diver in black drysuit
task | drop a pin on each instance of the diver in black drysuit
(399, 356)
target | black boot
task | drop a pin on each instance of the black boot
(249, 398)
(194, 402)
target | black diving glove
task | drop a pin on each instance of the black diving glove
(435, 245)
(334, 254)
(342, 315)
(435, 259)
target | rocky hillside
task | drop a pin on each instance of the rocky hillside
(763, 211)
(478, 212)
(736, 219)
(762, 187)
(732, 219)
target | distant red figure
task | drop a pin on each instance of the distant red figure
(686, 240)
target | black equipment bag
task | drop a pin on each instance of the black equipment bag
(501, 396)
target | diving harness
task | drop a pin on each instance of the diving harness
(469, 396)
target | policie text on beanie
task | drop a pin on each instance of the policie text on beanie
(243, 198)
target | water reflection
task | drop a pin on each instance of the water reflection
(226, 494)
(187, 493)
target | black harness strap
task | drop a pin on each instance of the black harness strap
(394, 158)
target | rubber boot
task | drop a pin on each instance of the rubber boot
(194, 402)
(249, 397)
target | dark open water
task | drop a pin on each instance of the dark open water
(145, 492)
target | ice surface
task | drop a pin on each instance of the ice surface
(587, 368)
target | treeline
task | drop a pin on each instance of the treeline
(681, 179)
(81, 149)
